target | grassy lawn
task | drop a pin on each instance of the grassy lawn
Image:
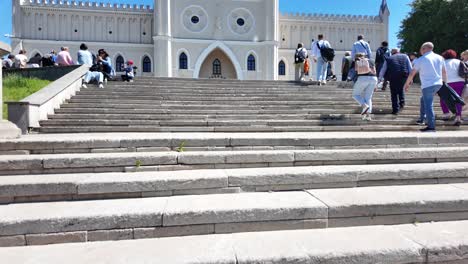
(16, 88)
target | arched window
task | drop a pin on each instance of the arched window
(146, 64)
(281, 68)
(119, 63)
(183, 61)
(251, 63)
(216, 67)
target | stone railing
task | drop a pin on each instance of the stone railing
(89, 5)
(331, 17)
(28, 112)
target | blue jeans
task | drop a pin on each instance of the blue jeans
(322, 67)
(96, 76)
(363, 90)
(426, 111)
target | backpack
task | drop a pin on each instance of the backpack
(382, 55)
(299, 56)
(362, 66)
(463, 70)
(328, 54)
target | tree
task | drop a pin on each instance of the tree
(443, 22)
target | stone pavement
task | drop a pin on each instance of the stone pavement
(359, 193)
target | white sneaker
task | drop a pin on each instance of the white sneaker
(83, 86)
(101, 86)
(366, 117)
(365, 108)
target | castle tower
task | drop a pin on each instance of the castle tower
(384, 14)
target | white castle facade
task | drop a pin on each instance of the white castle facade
(234, 39)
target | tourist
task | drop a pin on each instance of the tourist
(84, 57)
(36, 61)
(48, 60)
(365, 85)
(361, 46)
(346, 66)
(299, 59)
(64, 58)
(456, 82)
(8, 63)
(129, 75)
(382, 53)
(431, 68)
(464, 58)
(53, 55)
(413, 56)
(106, 62)
(21, 60)
(396, 69)
(322, 63)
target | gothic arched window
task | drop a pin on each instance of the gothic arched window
(216, 67)
(251, 63)
(146, 64)
(183, 61)
(281, 68)
(119, 63)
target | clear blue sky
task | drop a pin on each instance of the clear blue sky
(398, 9)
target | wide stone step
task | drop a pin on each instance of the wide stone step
(239, 129)
(62, 187)
(442, 242)
(119, 162)
(81, 221)
(141, 142)
(224, 122)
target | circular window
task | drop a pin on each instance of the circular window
(195, 19)
(144, 33)
(39, 29)
(240, 22)
(110, 32)
(76, 30)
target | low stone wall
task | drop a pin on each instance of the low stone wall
(28, 112)
(44, 73)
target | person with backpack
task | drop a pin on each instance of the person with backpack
(300, 57)
(381, 55)
(361, 46)
(456, 80)
(366, 83)
(396, 69)
(346, 66)
(464, 59)
(322, 54)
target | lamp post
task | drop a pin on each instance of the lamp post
(7, 129)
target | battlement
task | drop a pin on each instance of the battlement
(331, 17)
(89, 5)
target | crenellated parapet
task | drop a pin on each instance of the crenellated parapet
(331, 17)
(89, 5)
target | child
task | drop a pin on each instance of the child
(128, 72)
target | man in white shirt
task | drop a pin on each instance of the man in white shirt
(431, 68)
(322, 65)
(361, 46)
(21, 60)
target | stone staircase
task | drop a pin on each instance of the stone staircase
(189, 195)
(178, 105)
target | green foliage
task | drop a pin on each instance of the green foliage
(16, 88)
(443, 22)
(138, 164)
(181, 147)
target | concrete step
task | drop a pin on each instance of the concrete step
(81, 221)
(67, 187)
(146, 142)
(443, 242)
(244, 129)
(120, 162)
(217, 122)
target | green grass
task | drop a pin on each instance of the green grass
(16, 88)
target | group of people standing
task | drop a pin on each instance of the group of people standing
(396, 69)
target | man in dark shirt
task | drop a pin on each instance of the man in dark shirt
(396, 69)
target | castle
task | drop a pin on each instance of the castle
(246, 40)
